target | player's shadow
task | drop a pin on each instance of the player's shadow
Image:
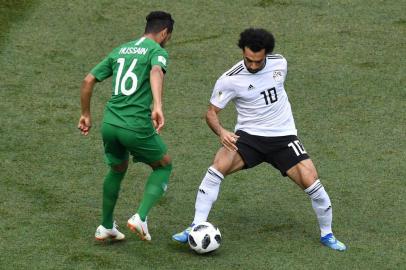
(109, 242)
(178, 247)
(186, 250)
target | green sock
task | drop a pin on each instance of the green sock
(111, 188)
(154, 189)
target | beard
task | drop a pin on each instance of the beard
(253, 71)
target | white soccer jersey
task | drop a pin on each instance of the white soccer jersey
(261, 101)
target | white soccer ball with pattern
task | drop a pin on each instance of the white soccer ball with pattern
(204, 237)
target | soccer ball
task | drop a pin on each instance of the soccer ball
(204, 237)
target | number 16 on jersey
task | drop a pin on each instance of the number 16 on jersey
(129, 74)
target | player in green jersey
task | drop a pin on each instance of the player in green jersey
(129, 125)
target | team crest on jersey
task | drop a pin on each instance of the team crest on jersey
(278, 76)
(162, 59)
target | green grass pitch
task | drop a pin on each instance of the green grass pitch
(347, 86)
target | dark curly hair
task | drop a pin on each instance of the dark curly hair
(257, 39)
(158, 21)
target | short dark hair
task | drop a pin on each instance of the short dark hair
(257, 39)
(158, 21)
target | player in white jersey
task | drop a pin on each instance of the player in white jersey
(265, 131)
(261, 100)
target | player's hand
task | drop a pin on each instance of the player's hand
(84, 124)
(158, 119)
(228, 140)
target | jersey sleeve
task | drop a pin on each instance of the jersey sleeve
(103, 70)
(284, 68)
(160, 58)
(280, 70)
(222, 94)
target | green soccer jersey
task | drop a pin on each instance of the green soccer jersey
(130, 65)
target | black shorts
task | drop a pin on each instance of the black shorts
(282, 152)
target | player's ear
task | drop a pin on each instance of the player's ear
(164, 33)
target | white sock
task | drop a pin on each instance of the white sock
(322, 206)
(207, 194)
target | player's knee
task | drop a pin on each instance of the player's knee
(165, 162)
(120, 168)
(310, 176)
(222, 167)
(307, 179)
(167, 167)
(309, 170)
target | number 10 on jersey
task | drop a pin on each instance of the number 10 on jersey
(129, 75)
(270, 95)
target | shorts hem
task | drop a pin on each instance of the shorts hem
(298, 161)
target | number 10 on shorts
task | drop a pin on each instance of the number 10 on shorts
(297, 147)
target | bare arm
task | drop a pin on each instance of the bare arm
(85, 95)
(227, 138)
(157, 85)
